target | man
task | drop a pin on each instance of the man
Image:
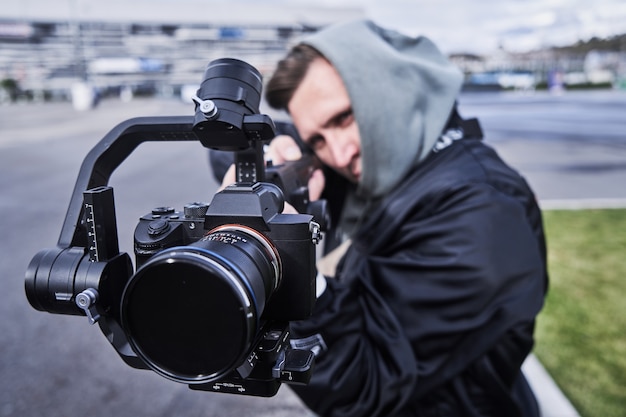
(430, 310)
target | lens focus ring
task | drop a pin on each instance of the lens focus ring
(192, 313)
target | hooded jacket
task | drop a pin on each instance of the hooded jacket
(431, 310)
(402, 90)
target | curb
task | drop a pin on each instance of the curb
(582, 204)
(552, 401)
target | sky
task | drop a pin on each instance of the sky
(486, 25)
(479, 26)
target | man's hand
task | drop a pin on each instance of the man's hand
(284, 148)
(281, 149)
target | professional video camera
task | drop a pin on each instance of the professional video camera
(216, 284)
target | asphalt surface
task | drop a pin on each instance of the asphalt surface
(571, 148)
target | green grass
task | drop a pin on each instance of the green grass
(581, 333)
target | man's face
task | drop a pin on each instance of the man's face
(321, 111)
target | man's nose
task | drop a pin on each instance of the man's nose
(341, 149)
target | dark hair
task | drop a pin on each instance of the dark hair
(288, 75)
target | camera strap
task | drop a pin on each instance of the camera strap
(471, 128)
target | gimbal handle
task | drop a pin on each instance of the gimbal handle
(108, 154)
(121, 141)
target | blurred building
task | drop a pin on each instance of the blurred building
(143, 47)
(133, 47)
(572, 68)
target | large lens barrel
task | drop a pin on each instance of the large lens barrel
(230, 91)
(192, 313)
(232, 80)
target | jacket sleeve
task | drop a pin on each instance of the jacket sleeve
(366, 365)
(422, 298)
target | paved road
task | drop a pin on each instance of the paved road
(569, 147)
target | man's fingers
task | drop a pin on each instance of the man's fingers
(281, 149)
(317, 182)
(229, 178)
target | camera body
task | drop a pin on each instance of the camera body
(238, 206)
(215, 285)
(238, 268)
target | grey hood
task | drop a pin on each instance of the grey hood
(402, 91)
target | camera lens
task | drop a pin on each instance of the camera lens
(233, 80)
(192, 313)
(230, 91)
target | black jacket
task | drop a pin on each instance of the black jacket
(433, 306)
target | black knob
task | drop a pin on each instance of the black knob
(160, 211)
(158, 227)
(195, 210)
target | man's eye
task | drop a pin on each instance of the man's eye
(316, 142)
(345, 118)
